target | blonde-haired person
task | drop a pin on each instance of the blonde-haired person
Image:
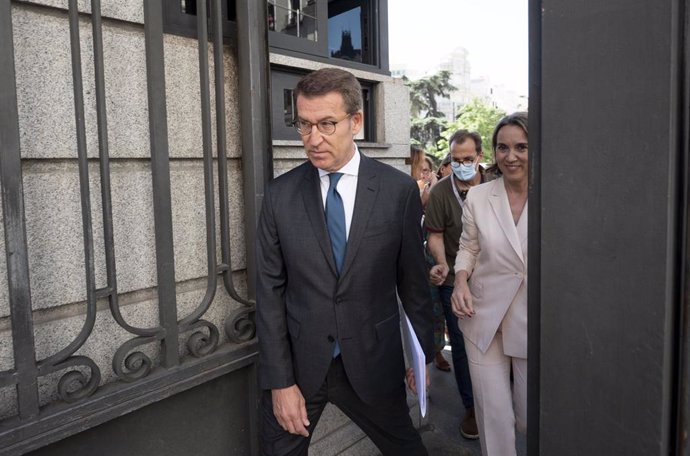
(490, 294)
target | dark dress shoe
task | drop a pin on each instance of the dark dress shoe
(468, 427)
(441, 363)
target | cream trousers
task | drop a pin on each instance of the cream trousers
(498, 407)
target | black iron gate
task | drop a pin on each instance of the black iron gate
(204, 402)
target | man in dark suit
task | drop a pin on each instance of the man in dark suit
(338, 236)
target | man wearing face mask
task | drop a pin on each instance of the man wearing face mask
(443, 220)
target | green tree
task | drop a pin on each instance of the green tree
(477, 116)
(427, 121)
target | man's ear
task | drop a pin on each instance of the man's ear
(357, 120)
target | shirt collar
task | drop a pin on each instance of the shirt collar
(351, 167)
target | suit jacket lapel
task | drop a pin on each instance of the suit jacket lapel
(313, 204)
(367, 190)
(501, 207)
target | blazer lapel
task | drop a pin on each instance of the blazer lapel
(522, 230)
(313, 204)
(367, 190)
(501, 207)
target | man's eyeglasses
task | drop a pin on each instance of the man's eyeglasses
(464, 161)
(325, 127)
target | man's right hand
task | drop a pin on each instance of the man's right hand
(290, 410)
(438, 274)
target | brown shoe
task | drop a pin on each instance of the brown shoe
(468, 427)
(441, 363)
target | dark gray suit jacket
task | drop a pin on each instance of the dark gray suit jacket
(302, 304)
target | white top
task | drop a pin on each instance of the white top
(347, 187)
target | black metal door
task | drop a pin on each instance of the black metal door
(608, 227)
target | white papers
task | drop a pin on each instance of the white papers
(417, 361)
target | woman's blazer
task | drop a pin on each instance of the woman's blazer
(493, 249)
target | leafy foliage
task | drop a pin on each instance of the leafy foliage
(426, 131)
(427, 121)
(476, 116)
(429, 127)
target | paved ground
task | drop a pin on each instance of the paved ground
(440, 433)
(439, 429)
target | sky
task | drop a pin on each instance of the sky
(495, 32)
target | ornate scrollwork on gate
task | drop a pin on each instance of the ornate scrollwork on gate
(130, 367)
(240, 326)
(199, 343)
(75, 385)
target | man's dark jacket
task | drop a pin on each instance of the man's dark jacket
(302, 304)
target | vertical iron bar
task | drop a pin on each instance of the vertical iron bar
(219, 79)
(257, 155)
(222, 153)
(211, 264)
(83, 164)
(84, 193)
(104, 161)
(103, 151)
(160, 169)
(202, 35)
(14, 224)
(81, 148)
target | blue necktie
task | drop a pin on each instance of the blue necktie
(335, 221)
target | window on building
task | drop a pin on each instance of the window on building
(348, 30)
(180, 17)
(294, 18)
(353, 31)
(283, 110)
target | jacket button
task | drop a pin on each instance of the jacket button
(331, 338)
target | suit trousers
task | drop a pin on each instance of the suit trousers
(499, 409)
(387, 422)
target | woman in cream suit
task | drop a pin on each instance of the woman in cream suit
(490, 295)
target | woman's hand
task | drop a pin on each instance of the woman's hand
(461, 299)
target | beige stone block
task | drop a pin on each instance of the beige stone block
(55, 231)
(126, 10)
(393, 101)
(46, 104)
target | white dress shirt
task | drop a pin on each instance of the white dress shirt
(347, 187)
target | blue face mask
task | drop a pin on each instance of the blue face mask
(464, 172)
